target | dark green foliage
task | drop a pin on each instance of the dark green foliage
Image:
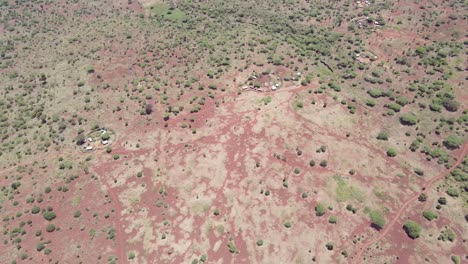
(332, 219)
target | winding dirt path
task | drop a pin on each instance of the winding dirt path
(427, 185)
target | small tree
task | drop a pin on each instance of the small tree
(391, 152)
(49, 215)
(412, 229)
(319, 209)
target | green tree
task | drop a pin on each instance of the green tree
(319, 209)
(412, 229)
(391, 152)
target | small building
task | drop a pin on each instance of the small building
(89, 148)
(105, 142)
(90, 139)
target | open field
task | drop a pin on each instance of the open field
(216, 131)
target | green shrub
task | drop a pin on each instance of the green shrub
(323, 163)
(452, 192)
(394, 106)
(382, 136)
(50, 228)
(391, 152)
(259, 243)
(116, 156)
(429, 215)
(453, 142)
(77, 214)
(35, 210)
(319, 209)
(216, 212)
(232, 247)
(105, 136)
(377, 219)
(412, 229)
(332, 219)
(40, 246)
(49, 215)
(447, 234)
(456, 259)
(312, 163)
(408, 119)
(375, 93)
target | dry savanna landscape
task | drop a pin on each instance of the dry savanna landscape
(242, 131)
